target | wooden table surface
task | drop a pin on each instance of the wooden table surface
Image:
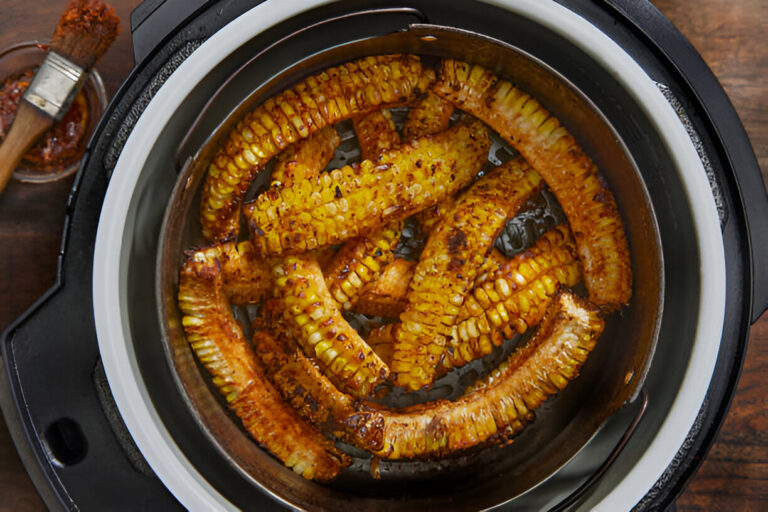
(731, 35)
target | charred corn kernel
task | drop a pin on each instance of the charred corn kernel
(326, 329)
(221, 348)
(305, 159)
(376, 134)
(385, 295)
(430, 114)
(446, 162)
(450, 259)
(246, 278)
(530, 294)
(281, 120)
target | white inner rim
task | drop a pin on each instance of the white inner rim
(120, 363)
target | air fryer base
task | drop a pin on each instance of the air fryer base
(87, 466)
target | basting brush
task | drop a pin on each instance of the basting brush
(84, 33)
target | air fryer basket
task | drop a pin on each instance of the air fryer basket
(564, 425)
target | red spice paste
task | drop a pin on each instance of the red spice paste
(64, 143)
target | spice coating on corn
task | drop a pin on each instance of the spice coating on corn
(362, 259)
(376, 134)
(569, 172)
(514, 297)
(305, 158)
(321, 100)
(386, 296)
(310, 314)
(499, 405)
(430, 114)
(355, 201)
(301, 383)
(218, 342)
(246, 277)
(359, 262)
(457, 247)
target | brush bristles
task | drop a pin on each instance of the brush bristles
(85, 32)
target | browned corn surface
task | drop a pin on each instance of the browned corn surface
(356, 201)
(246, 277)
(305, 158)
(219, 344)
(312, 317)
(382, 341)
(499, 405)
(376, 134)
(386, 295)
(301, 383)
(448, 266)
(429, 217)
(430, 114)
(514, 297)
(359, 262)
(361, 259)
(569, 172)
(321, 100)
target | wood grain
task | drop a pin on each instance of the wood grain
(731, 35)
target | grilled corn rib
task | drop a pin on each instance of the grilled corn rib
(361, 259)
(305, 158)
(498, 406)
(350, 202)
(513, 297)
(386, 295)
(246, 277)
(430, 114)
(302, 384)
(219, 344)
(569, 172)
(376, 134)
(448, 265)
(382, 341)
(321, 100)
(311, 316)
(359, 262)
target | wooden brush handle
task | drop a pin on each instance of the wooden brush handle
(28, 126)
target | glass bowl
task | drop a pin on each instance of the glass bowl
(21, 57)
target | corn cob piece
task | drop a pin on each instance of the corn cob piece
(382, 341)
(498, 406)
(302, 384)
(448, 266)
(321, 100)
(514, 297)
(376, 134)
(386, 295)
(569, 172)
(246, 278)
(305, 158)
(359, 262)
(311, 316)
(361, 259)
(219, 344)
(430, 114)
(351, 202)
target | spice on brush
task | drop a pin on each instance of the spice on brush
(64, 143)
